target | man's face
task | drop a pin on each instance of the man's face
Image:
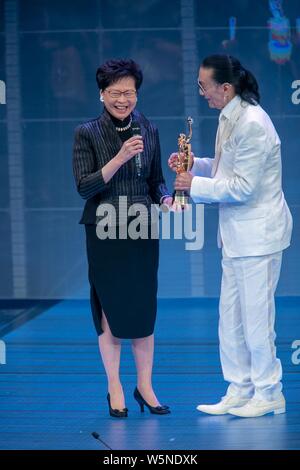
(212, 91)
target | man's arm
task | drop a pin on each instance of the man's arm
(202, 167)
(250, 156)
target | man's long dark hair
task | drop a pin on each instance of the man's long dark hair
(228, 69)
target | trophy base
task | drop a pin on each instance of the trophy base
(181, 198)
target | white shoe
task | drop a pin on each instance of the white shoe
(228, 402)
(257, 407)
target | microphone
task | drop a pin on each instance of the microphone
(136, 130)
(97, 437)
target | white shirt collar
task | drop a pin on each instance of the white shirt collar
(228, 109)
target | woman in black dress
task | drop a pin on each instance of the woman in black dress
(109, 161)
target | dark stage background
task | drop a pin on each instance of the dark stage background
(49, 51)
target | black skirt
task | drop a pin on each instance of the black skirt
(123, 283)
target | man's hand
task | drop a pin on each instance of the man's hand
(173, 161)
(183, 182)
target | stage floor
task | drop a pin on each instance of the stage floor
(53, 387)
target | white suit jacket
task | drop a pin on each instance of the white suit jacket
(245, 179)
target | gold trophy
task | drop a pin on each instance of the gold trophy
(184, 162)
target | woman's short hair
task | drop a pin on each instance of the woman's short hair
(228, 69)
(114, 70)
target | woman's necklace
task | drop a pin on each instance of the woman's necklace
(122, 129)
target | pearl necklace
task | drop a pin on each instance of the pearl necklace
(122, 129)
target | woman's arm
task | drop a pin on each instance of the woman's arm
(157, 186)
(90, 182)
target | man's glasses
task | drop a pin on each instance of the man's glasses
(117, 94)
(204, 90)
(201, 88)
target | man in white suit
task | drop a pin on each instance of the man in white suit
(255, 226)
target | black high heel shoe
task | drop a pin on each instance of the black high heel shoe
(156, 410)
(116, 413)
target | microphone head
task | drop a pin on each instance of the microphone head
(136, 128)
(95, 435)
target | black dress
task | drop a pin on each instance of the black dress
(123, 272)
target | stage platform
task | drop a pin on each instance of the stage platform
(53, 386)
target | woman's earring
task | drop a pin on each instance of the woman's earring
(101, 98)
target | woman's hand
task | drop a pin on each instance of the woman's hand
(169, 205)
(130, 148)
(173, 161)
(166, 204)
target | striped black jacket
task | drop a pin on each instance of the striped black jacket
(97, 142)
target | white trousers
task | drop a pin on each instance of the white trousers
(246, 326)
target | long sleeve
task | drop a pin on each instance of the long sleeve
(157, 185)
(89, 179)
(202, 167)
(250, 157)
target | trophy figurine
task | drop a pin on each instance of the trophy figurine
(184, 162)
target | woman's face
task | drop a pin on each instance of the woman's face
(120, 97)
